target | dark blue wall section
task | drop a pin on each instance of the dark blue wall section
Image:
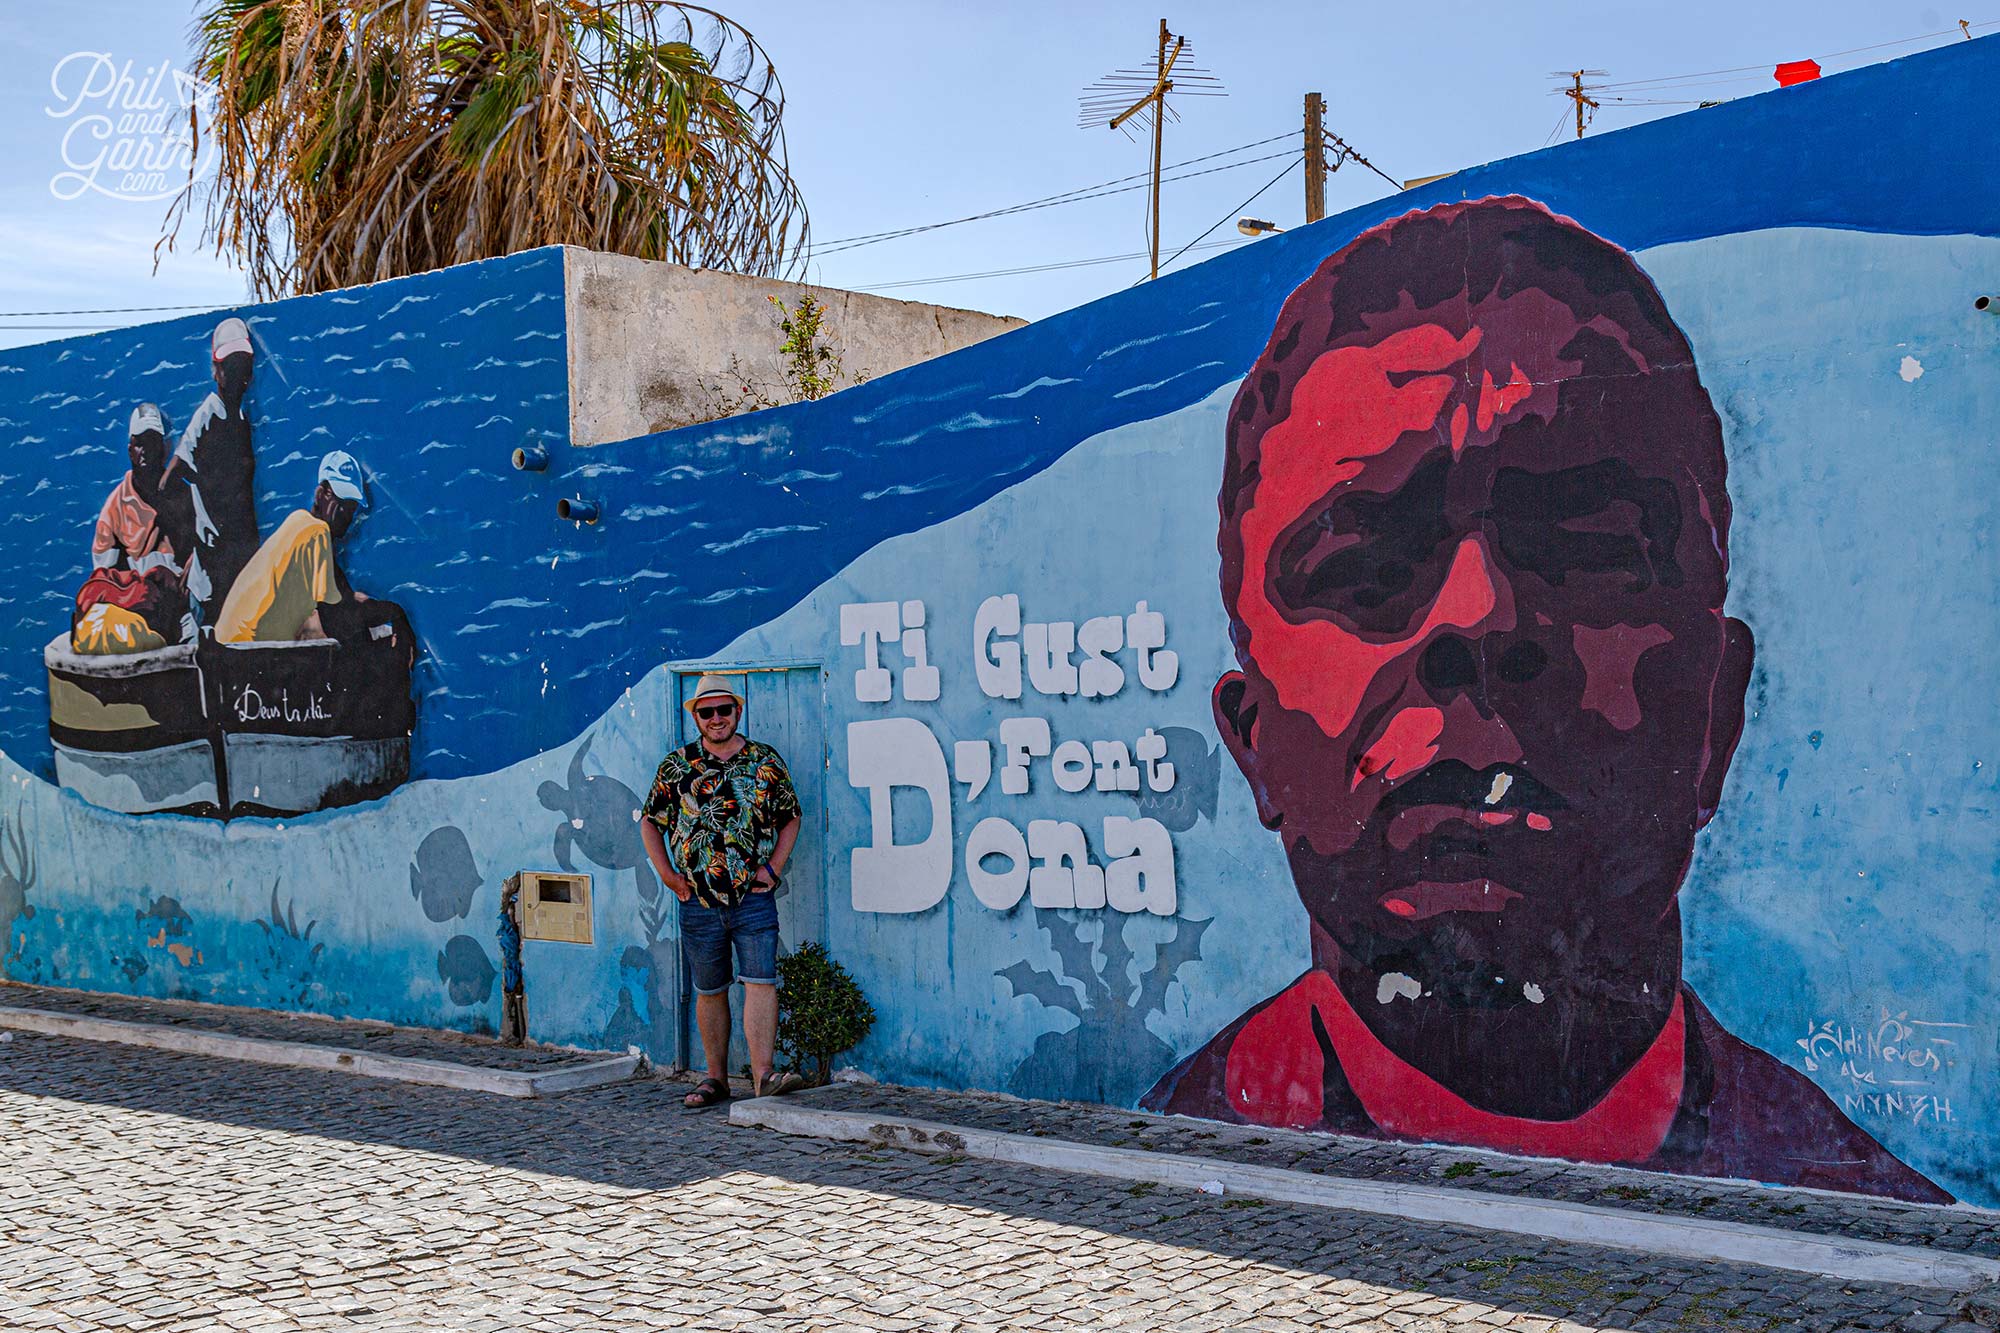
(429, 381)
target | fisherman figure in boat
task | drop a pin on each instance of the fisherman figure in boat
(133, 600)
(215, 469)
(129, 533)
(293, 587)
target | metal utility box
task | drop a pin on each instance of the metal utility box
(553, 906)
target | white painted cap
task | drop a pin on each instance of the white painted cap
(342, 475)
(231, 335)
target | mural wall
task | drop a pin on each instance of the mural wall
(1510, 665)
(211, 672)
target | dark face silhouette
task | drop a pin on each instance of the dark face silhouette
(332, 510)
(147, 452)
(232, 377)
(1474, 553)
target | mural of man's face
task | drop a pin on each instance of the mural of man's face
(1489, 693)
(147, 453)
(232, 376)
(336, 513)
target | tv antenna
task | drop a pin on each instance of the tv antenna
(1579, 92)
(1111, 102)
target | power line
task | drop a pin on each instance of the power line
(108, 310)
(1692, 81)
(1236, 211)
(1072, 198)
(1137, 175)
(1561, 121)
(1953, 31)
(1349, 154)
(1034, 268)
(1077, 195)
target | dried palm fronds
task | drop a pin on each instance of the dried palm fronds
(365, 139)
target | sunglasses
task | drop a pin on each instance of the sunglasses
(714, 711)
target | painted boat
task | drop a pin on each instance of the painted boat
(220, 730)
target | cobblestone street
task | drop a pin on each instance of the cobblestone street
(152, 1191)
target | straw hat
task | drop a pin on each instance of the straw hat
(710, 687)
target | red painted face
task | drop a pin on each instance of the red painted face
(1488, 692)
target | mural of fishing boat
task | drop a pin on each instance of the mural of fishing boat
(222, 730)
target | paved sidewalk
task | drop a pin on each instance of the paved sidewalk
(166, 1192)
(1852, 1217)
(270, 1025)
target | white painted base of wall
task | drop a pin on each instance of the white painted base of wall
(1586, 1224)
(302, 1055)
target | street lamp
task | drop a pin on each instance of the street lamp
(1256, 227)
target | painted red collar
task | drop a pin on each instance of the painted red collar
(1276, 1076)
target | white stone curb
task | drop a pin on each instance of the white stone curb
(302, 1055)
(1581, 1223)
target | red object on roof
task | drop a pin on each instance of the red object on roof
(1795, 71)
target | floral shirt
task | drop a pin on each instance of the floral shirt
(722, 817)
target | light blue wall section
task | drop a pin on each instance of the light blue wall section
(1848, 879)
(1127, 517)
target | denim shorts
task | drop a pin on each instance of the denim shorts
(707, 932)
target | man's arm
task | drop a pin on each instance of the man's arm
(204, 527)
(780, 854)
(656, 852)
(183, 463)
(104, 537)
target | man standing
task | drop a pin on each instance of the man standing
(727, 804)
(217, 469)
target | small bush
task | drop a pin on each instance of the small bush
(821, 1011)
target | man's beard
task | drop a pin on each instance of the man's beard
(1534, 1010)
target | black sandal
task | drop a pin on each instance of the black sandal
(779, 1083)
(707, 1093)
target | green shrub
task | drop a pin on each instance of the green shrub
(821, 1011)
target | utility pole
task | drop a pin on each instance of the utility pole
(1315, 157)
(1162, 86)
(1109, 102)
(1576, 94)
(1155, 102)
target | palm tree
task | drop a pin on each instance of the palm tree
(364, 139)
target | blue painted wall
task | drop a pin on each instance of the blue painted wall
(1821, 247)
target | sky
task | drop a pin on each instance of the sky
(903, 115)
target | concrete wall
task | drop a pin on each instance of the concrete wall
(1676, 517)
(656, 346)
